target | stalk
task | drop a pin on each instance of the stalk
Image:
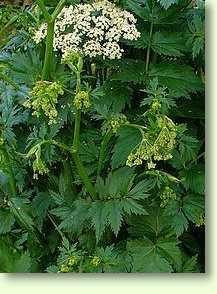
(83, 174)
(76, 140)
(50, 19)
(48, 51)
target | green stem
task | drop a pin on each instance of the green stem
(149, 49)
(44, 10)
(58, 9)
(104, 143)
(48, 51)
(83, 175)
(56, 227)
(77, 129)
(80, 167)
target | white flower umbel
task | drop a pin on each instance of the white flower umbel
(92, 29)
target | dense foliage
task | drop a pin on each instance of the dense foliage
(102, 136)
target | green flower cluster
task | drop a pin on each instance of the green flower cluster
(82, 100)
(44, 99)
(143, 152)
(96, 261)
(156, 105)
(167, 195)
(160, 149)
(68, 264)
(116, 121)
(72, 58)
(201, 220)
(39, 166)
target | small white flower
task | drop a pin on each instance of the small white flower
(92, 29)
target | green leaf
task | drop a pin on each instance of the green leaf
(99, 214)
(129, 70)
(26, 67)
(6, 221)
(128, 139)
(179, 223)
(196, 39)
(179, 79)
(72, 216)
(171, 44)
(188, 147)
(12, 261)
(169, 248)
(190, 265)
(193, 178)
(118, 197)
(193, 207)
(22, 212)
(167, 3)
(115, 215)
(114, 95)
(40, 207)
(155, 13)
(147, 258)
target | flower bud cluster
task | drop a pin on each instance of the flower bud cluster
(39, 167)
(43, 99)
(201, 220)
(116, 121)
(93, 29)
(82, 100)
(167, 195)
(160, 149)
(68, 264)
(96, 260)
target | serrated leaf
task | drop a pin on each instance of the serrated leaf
(128, 139)
(146, 257)
(129, 70)
(22, 212)
(179, 79)
(171, 44)
(6, 221)
(12, 261)
(40, 207)
(99, 213)
(193, 178)
(114, 215)
(167, 3)
(193, 207)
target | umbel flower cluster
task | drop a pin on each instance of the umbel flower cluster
(92, 29)
(167, 195)
(43, 99)
(160, 149)
(82, 100)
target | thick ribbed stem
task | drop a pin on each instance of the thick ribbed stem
(48, 51)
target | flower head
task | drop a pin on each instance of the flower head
(92, 29)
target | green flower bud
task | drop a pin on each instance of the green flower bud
(72, 260)
(82, 100)
(44, 99)
(167, 195)
(96, 261)
(64, 268)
